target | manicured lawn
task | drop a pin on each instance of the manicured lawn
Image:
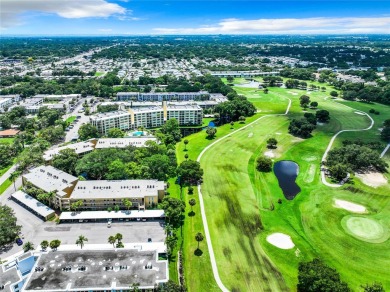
(5, 185)
(97, 74)
(242, 204)
(70, 119)
(6, 140)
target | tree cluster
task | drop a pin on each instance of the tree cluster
(8, 228)
(354, 157)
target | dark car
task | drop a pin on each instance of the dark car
(149, 239)
(19, 241)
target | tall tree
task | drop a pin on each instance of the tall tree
(88, 131)
(112, 240)
(199, 237)
(13, 176)
(8, 227)
(115, 133)
(81, 240)
(192, 203)
(190, 172)
(315, 276)
(66, 160)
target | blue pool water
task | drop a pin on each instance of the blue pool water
(26, 265)
(138, 133)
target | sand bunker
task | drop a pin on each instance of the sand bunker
(366, 229)
(372, 179)
(280, 240)
(250, 135)
(355, 208)
(269, 154)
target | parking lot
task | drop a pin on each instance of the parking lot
(35, 230)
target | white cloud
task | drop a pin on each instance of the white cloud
(105, 29)
(320, 25)
(11, 10)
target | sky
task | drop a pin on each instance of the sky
(147, 17)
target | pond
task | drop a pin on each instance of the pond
(286, 173)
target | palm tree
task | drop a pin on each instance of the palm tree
(186, 156)
(168, 229)
(80, 241)
(28, 246)
(119, 237)
(112, 240)
(13, 176)
(50, 196)
(199, 237)
(185, 144)
(192, 203)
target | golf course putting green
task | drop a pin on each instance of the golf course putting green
(366, 229)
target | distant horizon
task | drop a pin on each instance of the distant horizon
(141, 17)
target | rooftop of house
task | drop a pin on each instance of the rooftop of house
(96, 269)
(9, 133)
(50, 179)
(118, 189)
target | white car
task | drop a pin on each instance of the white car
(109, 223)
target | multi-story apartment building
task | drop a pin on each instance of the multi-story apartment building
(147, 117)
(102, 194)
(96, 194)
(105, 121)
(6, 101)
(50, 179)
(186, 115)
(163, 96)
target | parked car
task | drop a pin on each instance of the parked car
(149, 239)
(19, 241)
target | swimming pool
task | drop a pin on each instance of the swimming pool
(26, 265)
(138, 133)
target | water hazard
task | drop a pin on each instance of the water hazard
(286, 173)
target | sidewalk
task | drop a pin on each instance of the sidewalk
(6, 175)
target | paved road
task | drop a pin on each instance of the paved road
(84, 119)
(6, 175)
(201, 202)
(36, 230)
(385, 150)
(323, 178)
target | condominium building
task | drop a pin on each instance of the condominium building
(50, 179)
(163, 96)
(186, 115)
(123, 142)
(147, 117)
(6, 101)
(80, 148)
(102, 194)
(105, 121)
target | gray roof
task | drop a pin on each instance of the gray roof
(49, 178)
(109, 189)
(108, 115)
(79, 148)
(183, 107)
(8, 277)
(95, 276)
(33, 204)
(91, 215)
(123, 142)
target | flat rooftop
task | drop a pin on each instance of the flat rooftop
(100, 215)
(33, 204)
(79, 148)
(8, 277)
(104, 269)
(49, 178)
(123, 142)
(183, 107)
(109, 115)
(113, 189)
